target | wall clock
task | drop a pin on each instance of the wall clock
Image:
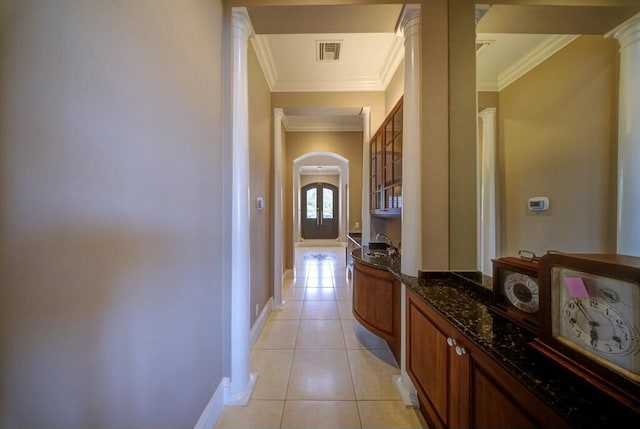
(516, 290)
(590, 320)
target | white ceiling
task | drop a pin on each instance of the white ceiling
(286, 45)
(367, 61)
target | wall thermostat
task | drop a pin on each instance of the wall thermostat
(537, 204)
(260, 203)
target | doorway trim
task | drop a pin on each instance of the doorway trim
(314, 159)
(316, 225)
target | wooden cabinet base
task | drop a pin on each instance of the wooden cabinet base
(459, 385)
(376, 304)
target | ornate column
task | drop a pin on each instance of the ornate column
(628, 226)
(278, 220)
(487, 232)
(366, 171)
(242, 382)
(409, 28)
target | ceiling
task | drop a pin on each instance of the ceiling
(511, 40)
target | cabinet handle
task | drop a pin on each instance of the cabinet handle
(460, 350)
(451, 341)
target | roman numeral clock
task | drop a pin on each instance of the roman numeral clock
(516, 290)
(590, 319)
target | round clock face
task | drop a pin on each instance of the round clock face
(596, 316)
(522, 292)
(598, 325)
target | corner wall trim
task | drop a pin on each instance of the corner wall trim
(213, 410)
(409, 396)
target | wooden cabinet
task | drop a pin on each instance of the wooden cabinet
(385, 181)
(459, 385)
(376, 304)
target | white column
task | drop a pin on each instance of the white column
(366, 171)
(242, 382)
(488, 238)
(278, 220)
(628, 35)
(409, 27)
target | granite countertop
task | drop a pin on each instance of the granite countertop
(463, 302)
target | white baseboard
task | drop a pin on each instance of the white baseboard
(240, 399)
(213, 410)
(256, 330)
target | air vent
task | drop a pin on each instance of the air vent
(329, 50)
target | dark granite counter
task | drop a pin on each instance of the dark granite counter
(463, 302)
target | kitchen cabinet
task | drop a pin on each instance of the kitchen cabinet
(385, 180)
(458, 384)
(376, 304)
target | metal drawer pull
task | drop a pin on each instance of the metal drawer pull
(451, 341)
(460, 350)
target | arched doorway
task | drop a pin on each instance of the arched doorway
(320, 217)
(324, 167)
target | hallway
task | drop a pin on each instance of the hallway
(317, 367)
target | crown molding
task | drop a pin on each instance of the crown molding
(365, 84)
(302, 127)
(396, 55)
(536, 56)
(265, 59)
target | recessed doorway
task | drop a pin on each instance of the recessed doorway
(320, 211)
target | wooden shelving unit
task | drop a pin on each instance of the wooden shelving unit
(385, 180)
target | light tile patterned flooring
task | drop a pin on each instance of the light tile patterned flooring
(317, 366)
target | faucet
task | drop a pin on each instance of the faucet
(391, 250)
(386, 238)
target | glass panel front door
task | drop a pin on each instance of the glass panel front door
(320, 217)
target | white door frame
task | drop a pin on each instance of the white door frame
(321, 158)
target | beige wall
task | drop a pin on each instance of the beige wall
(462, 137)
(435, 135)
(112, 255)
(332, 179)
(346, 144)
(261, 184)
(488, 99)
(557, 128)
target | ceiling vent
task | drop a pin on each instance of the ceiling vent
(328, 50)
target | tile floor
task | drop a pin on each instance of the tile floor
(317, 367)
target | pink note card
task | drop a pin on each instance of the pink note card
(576, 287)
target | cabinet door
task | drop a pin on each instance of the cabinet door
(376, 173)
(376, 304)
(428, 364)
(459, 386)
(373, 300)
(496, 399)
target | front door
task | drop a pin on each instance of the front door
(320, 217)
